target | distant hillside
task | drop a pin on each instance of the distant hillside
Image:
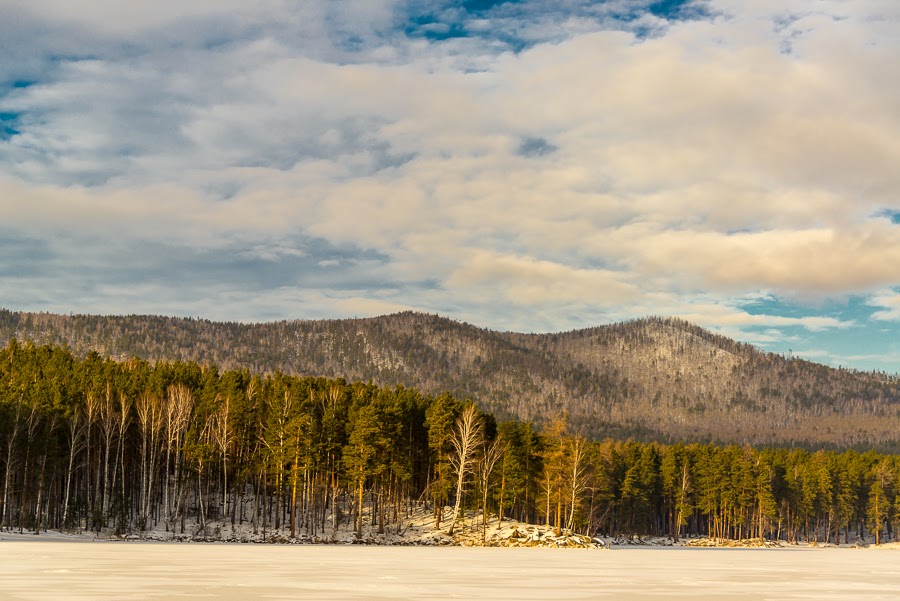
(649, 378)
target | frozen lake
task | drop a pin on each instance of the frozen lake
(47, 568)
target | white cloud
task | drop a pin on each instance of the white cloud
(888, 304)
(524, 281)
(690, 170)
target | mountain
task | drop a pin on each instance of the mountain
(653, 378)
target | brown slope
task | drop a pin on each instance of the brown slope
(652, 378)
(680, 380)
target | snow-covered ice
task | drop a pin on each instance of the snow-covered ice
(48, 567)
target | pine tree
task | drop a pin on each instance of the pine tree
(440, 418)
(878, 509)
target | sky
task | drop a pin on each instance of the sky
(530, 165)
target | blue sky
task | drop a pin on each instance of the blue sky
(527, 165)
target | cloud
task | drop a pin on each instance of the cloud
(22, 255)
(888, 304)
(529, 282)
(741, 319)
(803, 263)
(127, 17)
(579, 162)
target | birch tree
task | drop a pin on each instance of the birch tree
(466, 438)
(150, 422)
(577, 474)
(75, 433)
(10, 463)
(489, 458)
(221, 431)
(108, 426)
(179, 402)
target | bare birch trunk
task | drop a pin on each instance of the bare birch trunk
(465, 440)
(359, 512)
(10, 445)
(74, 432)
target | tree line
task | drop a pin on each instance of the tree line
(651, 379)
(100, 445)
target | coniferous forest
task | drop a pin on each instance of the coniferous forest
(126, 447)
(653, 379)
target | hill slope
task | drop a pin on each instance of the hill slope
(649, 378)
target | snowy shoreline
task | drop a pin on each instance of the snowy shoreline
(516, 536)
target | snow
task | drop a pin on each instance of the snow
(418, 528)
(55, 566)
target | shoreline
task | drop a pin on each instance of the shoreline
(544, 542)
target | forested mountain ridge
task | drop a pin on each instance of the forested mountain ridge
(651, 378)
(183, 450)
